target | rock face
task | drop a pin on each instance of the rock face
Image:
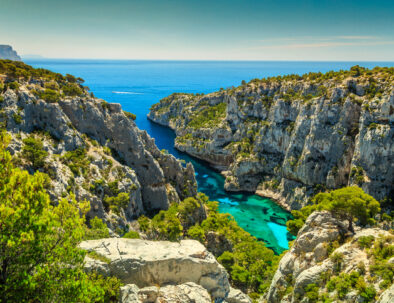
(308, 259)
(6, 52)
(147, 263)
(94, 150)
(291, 137)
(186, 293)
(387, 296)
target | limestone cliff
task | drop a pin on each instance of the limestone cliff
(88, 147)
(6, 52)
(293, 136)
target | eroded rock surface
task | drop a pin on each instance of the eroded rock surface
(147, 263)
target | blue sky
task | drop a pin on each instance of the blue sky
(202, 30)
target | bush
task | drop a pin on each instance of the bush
(166, 225)
(50, 95)
(117, 203)
(365, 241)
(144, 223)
(13, 85)
(131, 235)
(197, 233)
(312, 292)
(130, 115)
(33, 151)
(72, 89)
(98, 230)
(77, 161)
(17, 118)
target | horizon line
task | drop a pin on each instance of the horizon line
(31, 57)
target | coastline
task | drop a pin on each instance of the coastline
(277, 198)
(264, 193)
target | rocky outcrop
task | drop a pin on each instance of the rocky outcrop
(310, 260)
(186, 293)
(94, 150)
(291, 137)
(387, 296)
(6, 52)
(237, 296)
(147, 263)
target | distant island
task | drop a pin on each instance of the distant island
(6, 52)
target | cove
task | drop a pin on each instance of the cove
(139, 84)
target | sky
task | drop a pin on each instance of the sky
(325, 30)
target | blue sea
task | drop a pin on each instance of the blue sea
(139, 84)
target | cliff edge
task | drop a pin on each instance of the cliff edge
(6, 52)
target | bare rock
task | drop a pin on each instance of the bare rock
(147, 263)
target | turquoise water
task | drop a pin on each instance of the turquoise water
(139, 84)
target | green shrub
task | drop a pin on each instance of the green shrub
(368, 294)
(33, 151)
(98, 230)
(17, 118)
(312, 292)
(365, 241)
(94, 255)
(130, 115)
(77, 161)
(197, 233)
(13, 85)
(49, 95)
(72, 89)
(166, 224)
(117, 203)
(144, 223)
(131, 235)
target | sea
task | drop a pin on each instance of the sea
(138, 84)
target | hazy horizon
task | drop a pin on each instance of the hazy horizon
(232, 30)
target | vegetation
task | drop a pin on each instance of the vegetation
(251, 265)
(130, 115)
(55, 86)
(209, 116)
(98, 230)
(49, 95)
(40, 260)
(348, 203)
(131, 235)
(116, 203)
(77, 161)
(33, 151)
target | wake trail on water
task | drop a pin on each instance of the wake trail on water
(127, 93)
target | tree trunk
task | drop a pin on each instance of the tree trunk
(351, 229)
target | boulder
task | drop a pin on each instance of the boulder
(237, 296)
(147, 263)
(186, 293)
(387, 296)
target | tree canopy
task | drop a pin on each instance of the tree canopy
(348, 203)
(39, 257)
